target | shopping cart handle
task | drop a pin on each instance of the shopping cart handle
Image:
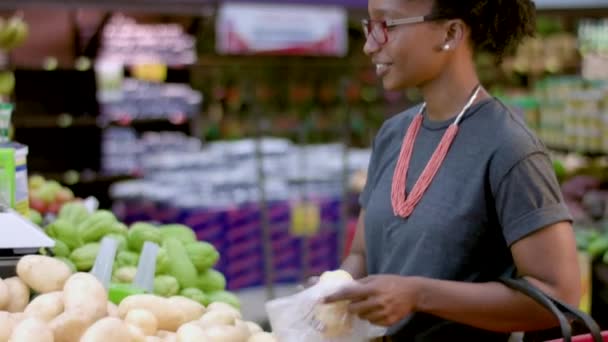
(583, 338)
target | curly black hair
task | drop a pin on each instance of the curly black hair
(497, 26)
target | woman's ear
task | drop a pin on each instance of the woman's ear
(455, 34)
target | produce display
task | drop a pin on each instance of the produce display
(13, 32)
(184, 265)
(47, 302)
(47, 196)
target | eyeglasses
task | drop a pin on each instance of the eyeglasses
(378, 29)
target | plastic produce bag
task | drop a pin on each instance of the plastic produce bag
(304, 318)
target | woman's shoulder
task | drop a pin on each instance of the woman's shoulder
(510, 138)
(396, 125)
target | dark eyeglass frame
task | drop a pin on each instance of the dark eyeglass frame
(372, 27)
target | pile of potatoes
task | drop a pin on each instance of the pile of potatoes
(75, 308)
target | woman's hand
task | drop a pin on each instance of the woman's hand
(383, 300)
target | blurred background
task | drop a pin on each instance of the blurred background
(251, 123)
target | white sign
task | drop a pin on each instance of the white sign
(282, 29)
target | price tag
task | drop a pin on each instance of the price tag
(305, 218)
(150, 71)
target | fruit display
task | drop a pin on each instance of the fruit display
(47, 302)
(184, 265)
(48, 196)
(13, 32)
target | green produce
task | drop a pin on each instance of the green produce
(196, 295)
(584, 237)
(84, 257)
(61, 249)
(119, 228)
(211, 280)
(96, 226)
(121, 241)
(13, 33)
(126, 258)
(7, 82)
(162, 261)
(65, 231)
(180, 265)
(605, 258)
(74, 212)
(225, 297)
(35, 217)
(203, 255)
(183, 233)
(69, 263)
(124, 275)
(140, 233)
(166, 286)
(598, 247)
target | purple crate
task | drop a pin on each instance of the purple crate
(244, 281)
(167, 213)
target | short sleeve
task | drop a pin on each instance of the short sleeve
(370, 178)
(528, 198)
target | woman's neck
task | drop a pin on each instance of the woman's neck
(446, 95)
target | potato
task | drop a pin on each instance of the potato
(167, 336)
(69, 326)
(153, 339)
(7, 324)
(191, 332)
(136, 334)
(227, 333)
(192, 310)
(144, 320)
(168, 317)
(262, 337)
(43, 274)
(254, 328)
(217, 317)
(19, 294)
(219, 306)
(84, 293)
(112, 310)
(32, 329)
(107, 329)
(18, 317)
(4, 295)
(335, 316)
(250, 326)
(46, 306)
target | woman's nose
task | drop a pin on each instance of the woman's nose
(371, 46)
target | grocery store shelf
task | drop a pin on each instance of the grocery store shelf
(195, 7)
(192, 7)
(63, 121)
(571, 4)
(591, 154)
(53, 121)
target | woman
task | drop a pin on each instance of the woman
(429, 248)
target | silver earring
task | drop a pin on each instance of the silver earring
(446, 47)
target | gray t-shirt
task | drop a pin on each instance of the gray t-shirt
(495, 186)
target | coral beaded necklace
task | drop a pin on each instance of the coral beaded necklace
(404, 204)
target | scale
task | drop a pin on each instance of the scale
(18, 237)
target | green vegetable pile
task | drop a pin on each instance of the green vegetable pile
(594, 242)
(184, 265)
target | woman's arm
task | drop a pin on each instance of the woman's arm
(548, 259)
(354, 263)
